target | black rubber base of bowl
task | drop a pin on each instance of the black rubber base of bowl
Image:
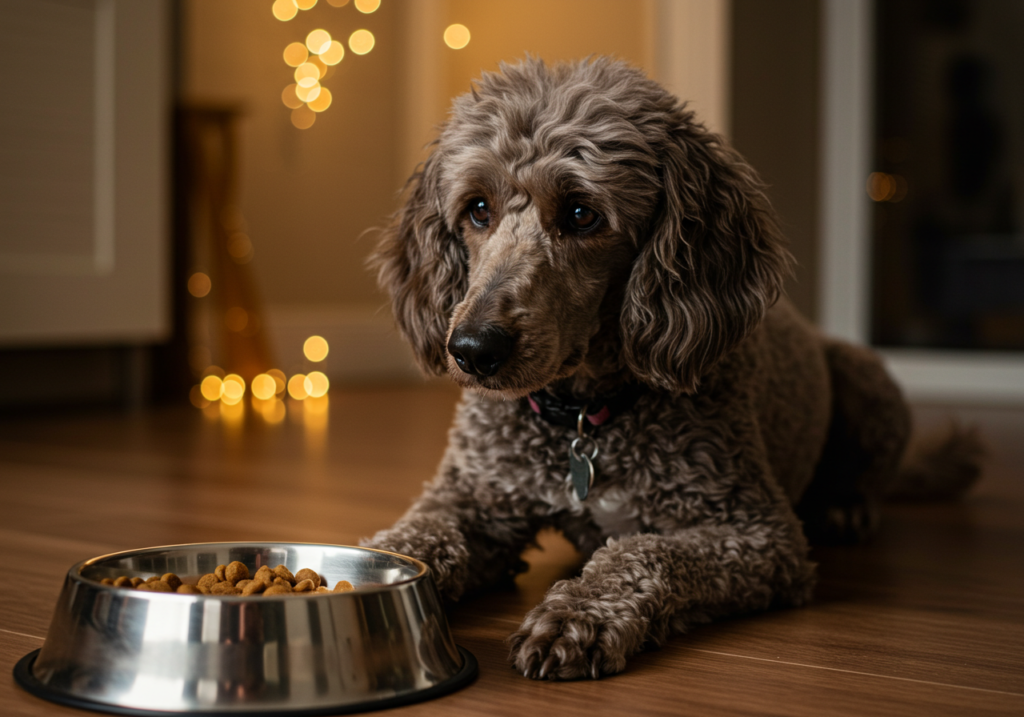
(24, 677)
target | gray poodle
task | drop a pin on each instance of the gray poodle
(602, 275)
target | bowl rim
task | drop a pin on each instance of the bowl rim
(74, 572)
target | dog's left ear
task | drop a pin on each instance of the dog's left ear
(714, 263)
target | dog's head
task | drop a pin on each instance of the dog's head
(577, 221)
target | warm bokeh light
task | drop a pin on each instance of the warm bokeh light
(264, 387)
(456, 36)
(318, 41)
(315, 407)
(297, 387)
(305, 4)
(303, 118)
(322, 102)
(334, 54)
(280, 380)
(211, 388)
(320, 66)
(196, 397)
(234, 387)
(308, 94)
(199, 285)
(316, 384)
(232, 412)
(367, 6)
(290, 99)
(236, 318)
(361, 41)
(284, 10)
(337, 3)
(884, 187)
(240, 248)
(273, 411)
(307, 74)
(295, 54)
(315, 348)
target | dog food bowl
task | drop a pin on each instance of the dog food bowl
(384, 644)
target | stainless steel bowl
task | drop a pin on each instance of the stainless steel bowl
(383, 644)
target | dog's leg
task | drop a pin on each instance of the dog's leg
(468, 536)
(640, 589)
(869, 432)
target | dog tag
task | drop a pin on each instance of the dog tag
(581, 470)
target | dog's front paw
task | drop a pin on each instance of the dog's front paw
(569, 638)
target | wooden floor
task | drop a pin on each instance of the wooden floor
(928, 620)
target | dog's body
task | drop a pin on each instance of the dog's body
(576, 232)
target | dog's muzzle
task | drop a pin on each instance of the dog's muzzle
(480, 350)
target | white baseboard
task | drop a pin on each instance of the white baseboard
(364, 343)
(958, 376)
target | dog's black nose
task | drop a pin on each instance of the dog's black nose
(480, 350)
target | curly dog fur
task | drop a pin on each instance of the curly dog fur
(581, 213)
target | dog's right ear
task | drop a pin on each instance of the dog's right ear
(422, 265)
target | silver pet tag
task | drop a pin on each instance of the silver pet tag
(581, 469)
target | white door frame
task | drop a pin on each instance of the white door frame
(845, 269)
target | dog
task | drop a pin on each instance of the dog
(602, 276)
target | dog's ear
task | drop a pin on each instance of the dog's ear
(713, 264)
(421, 263)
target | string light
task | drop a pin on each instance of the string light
(211, 388)
(284, 10)
(337, 3)
(199, 285)
(361, 42)
(318, 41)
(316, 384)
(367, 6)
(264, 387)
(290, 99)
(297, 387)
(315, 348)
(334, 54)
(321, 102)
(305, 4)
(295, 54)
(280, 380)
(308, 94)
(456, 36)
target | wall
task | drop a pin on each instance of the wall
(775, 119)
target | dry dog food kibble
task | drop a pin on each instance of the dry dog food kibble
(234, 579)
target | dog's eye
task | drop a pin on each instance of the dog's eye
(479, 213)
(582, 218)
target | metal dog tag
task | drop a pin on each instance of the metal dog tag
(581, 470)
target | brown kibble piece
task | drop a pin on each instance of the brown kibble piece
(208, 581)
(223, 588)
(123, 582)
(304, 586)
(285, 589)
(307, 574)
(189, 590)
(343, 586)
(107, 581)
(281, 581)
(203, 589)
(242, 583)
(236, 571)
(173, 580)
(283, 572)
(219, 572)
(254, 587)
(158, 586)
(136, 582)
(323, 589)
(265, 575)
(153, 579)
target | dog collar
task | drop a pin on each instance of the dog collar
(598, 409)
